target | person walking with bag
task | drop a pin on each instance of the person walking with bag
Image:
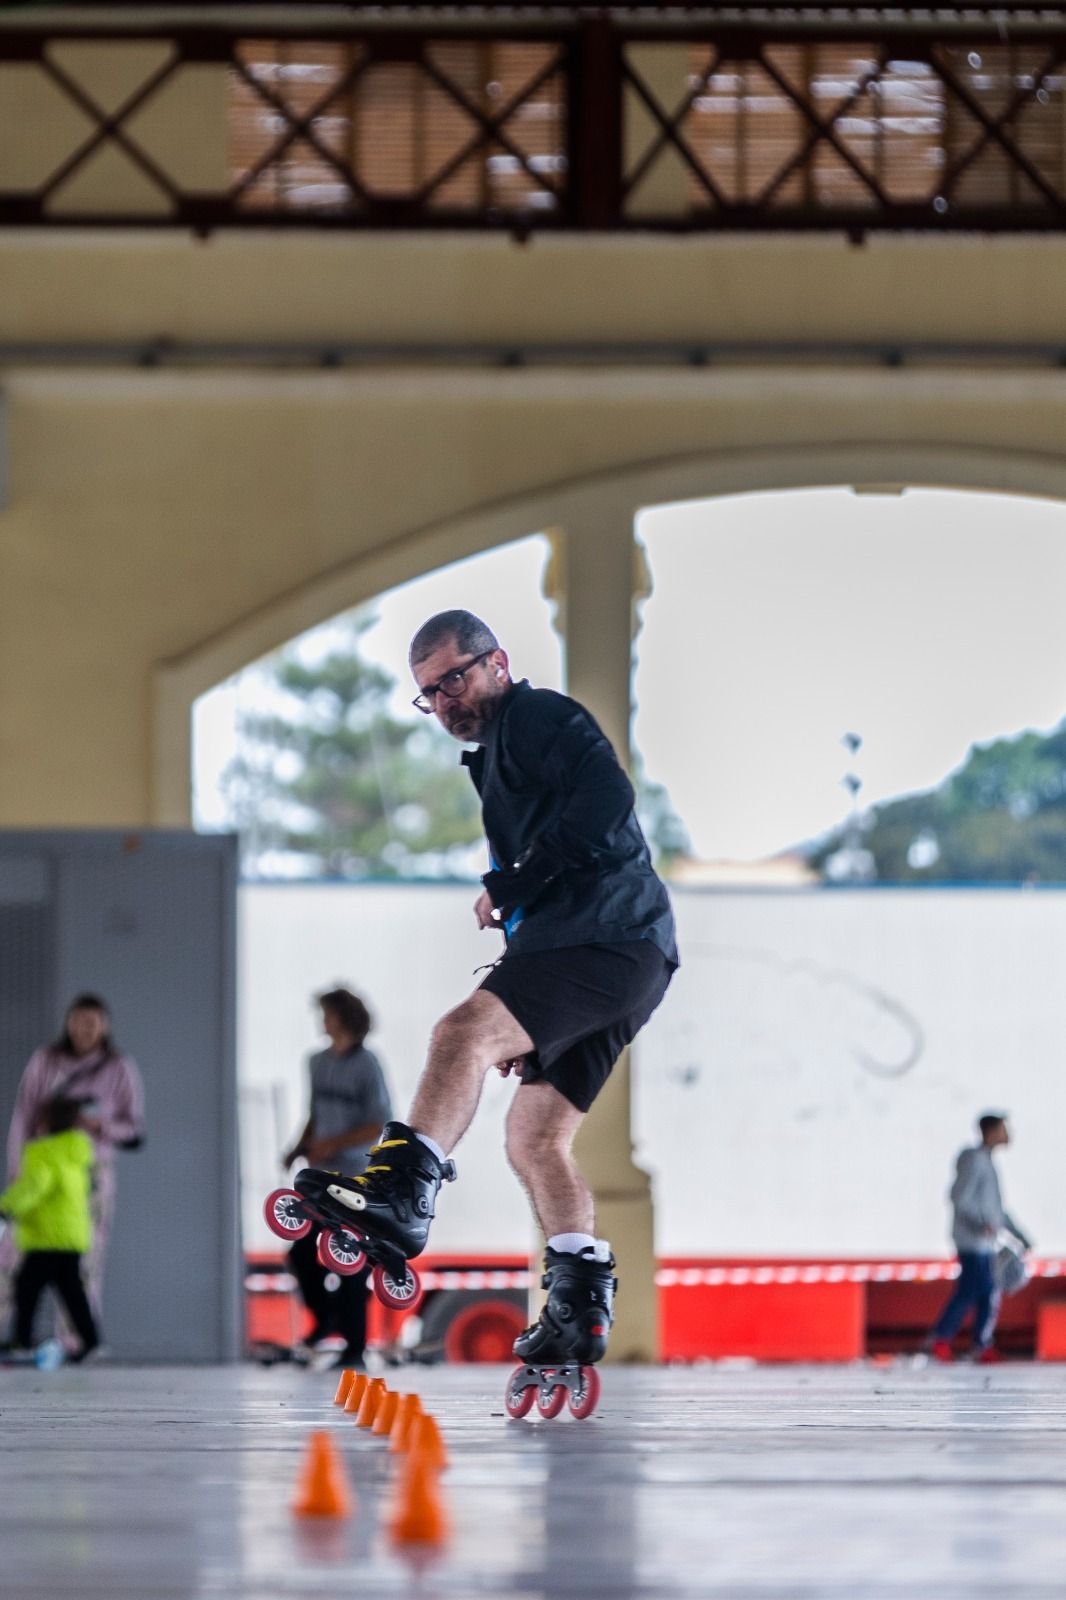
(978, 1220)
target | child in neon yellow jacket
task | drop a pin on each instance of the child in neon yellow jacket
(49, 1205)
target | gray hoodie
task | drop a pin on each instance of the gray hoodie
(978, 1205)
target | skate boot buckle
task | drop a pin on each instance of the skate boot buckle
(347, 1197)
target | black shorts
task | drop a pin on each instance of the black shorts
(581, 1006)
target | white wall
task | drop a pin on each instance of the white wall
(816, 1065)
(840, 1045)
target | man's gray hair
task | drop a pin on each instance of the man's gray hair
(472, 636)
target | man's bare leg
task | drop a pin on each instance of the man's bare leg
(465, 1044)
(574, 1321)
(541, 1126)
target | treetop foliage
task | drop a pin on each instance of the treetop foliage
(999, 818)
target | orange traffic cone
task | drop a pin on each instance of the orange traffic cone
(385, 1416)
(410, 1409)
(373, 1395)
(427, 1440)
(322, 1488)
(418, 1515)
(348, 1376)
(356, 1391)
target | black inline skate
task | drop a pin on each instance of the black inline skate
(569, 1335)
(381, 1216)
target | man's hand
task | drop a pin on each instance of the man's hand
(485, 912)
(515, 1064)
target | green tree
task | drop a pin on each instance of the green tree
(330, 774)
(1000, 818)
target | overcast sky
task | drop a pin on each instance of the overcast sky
(924, 622)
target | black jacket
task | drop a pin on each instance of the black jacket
(571, 865)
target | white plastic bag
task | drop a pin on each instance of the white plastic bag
(1012, 1273)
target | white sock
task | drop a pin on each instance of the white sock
(431, 1144)
(602, 1250)
(571, 1243)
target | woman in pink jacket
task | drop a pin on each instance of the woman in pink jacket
(83, 1065)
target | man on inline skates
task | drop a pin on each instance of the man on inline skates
(589, 953)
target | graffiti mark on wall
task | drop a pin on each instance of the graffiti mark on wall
(791, 999)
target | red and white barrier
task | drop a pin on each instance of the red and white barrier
(705, 1277)
(285, 1283)
(833, 1272)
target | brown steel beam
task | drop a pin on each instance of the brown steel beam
(686, 19)
(594, 122)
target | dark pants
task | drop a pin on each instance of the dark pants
(344, 1310)
(60, 1270)
(976, 1287)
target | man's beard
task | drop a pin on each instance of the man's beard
(466, 726)
(469, 724)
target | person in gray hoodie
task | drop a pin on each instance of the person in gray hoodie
(977, 1221)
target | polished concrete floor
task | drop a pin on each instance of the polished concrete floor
(860, 1482)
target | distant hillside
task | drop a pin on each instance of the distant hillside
(1000, 818)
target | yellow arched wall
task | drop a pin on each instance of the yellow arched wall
(161, 527)
(575, 510)
(164, 527)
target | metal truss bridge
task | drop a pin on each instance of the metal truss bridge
(537, 117)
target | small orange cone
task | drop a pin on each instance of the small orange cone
(373, 1395)
(418, 1515)
(385, 1416)
(427, 1440)
(356, 1391)
(322, 1488)
(410, 1409)
(347, 1378)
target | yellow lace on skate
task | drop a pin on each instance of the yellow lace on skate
(386, 1144)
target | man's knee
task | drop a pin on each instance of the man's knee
(458, 1029)
(525, 1150)
(479, 1028)
(530, 1141)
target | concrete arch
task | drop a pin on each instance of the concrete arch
(580, 508)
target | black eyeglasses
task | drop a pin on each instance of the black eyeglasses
(451, 685)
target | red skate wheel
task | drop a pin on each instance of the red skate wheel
(549, 1405)
(583, 1399)
(340, 1251)
(520, 1396)
(399, 1294)
(283, 1216)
